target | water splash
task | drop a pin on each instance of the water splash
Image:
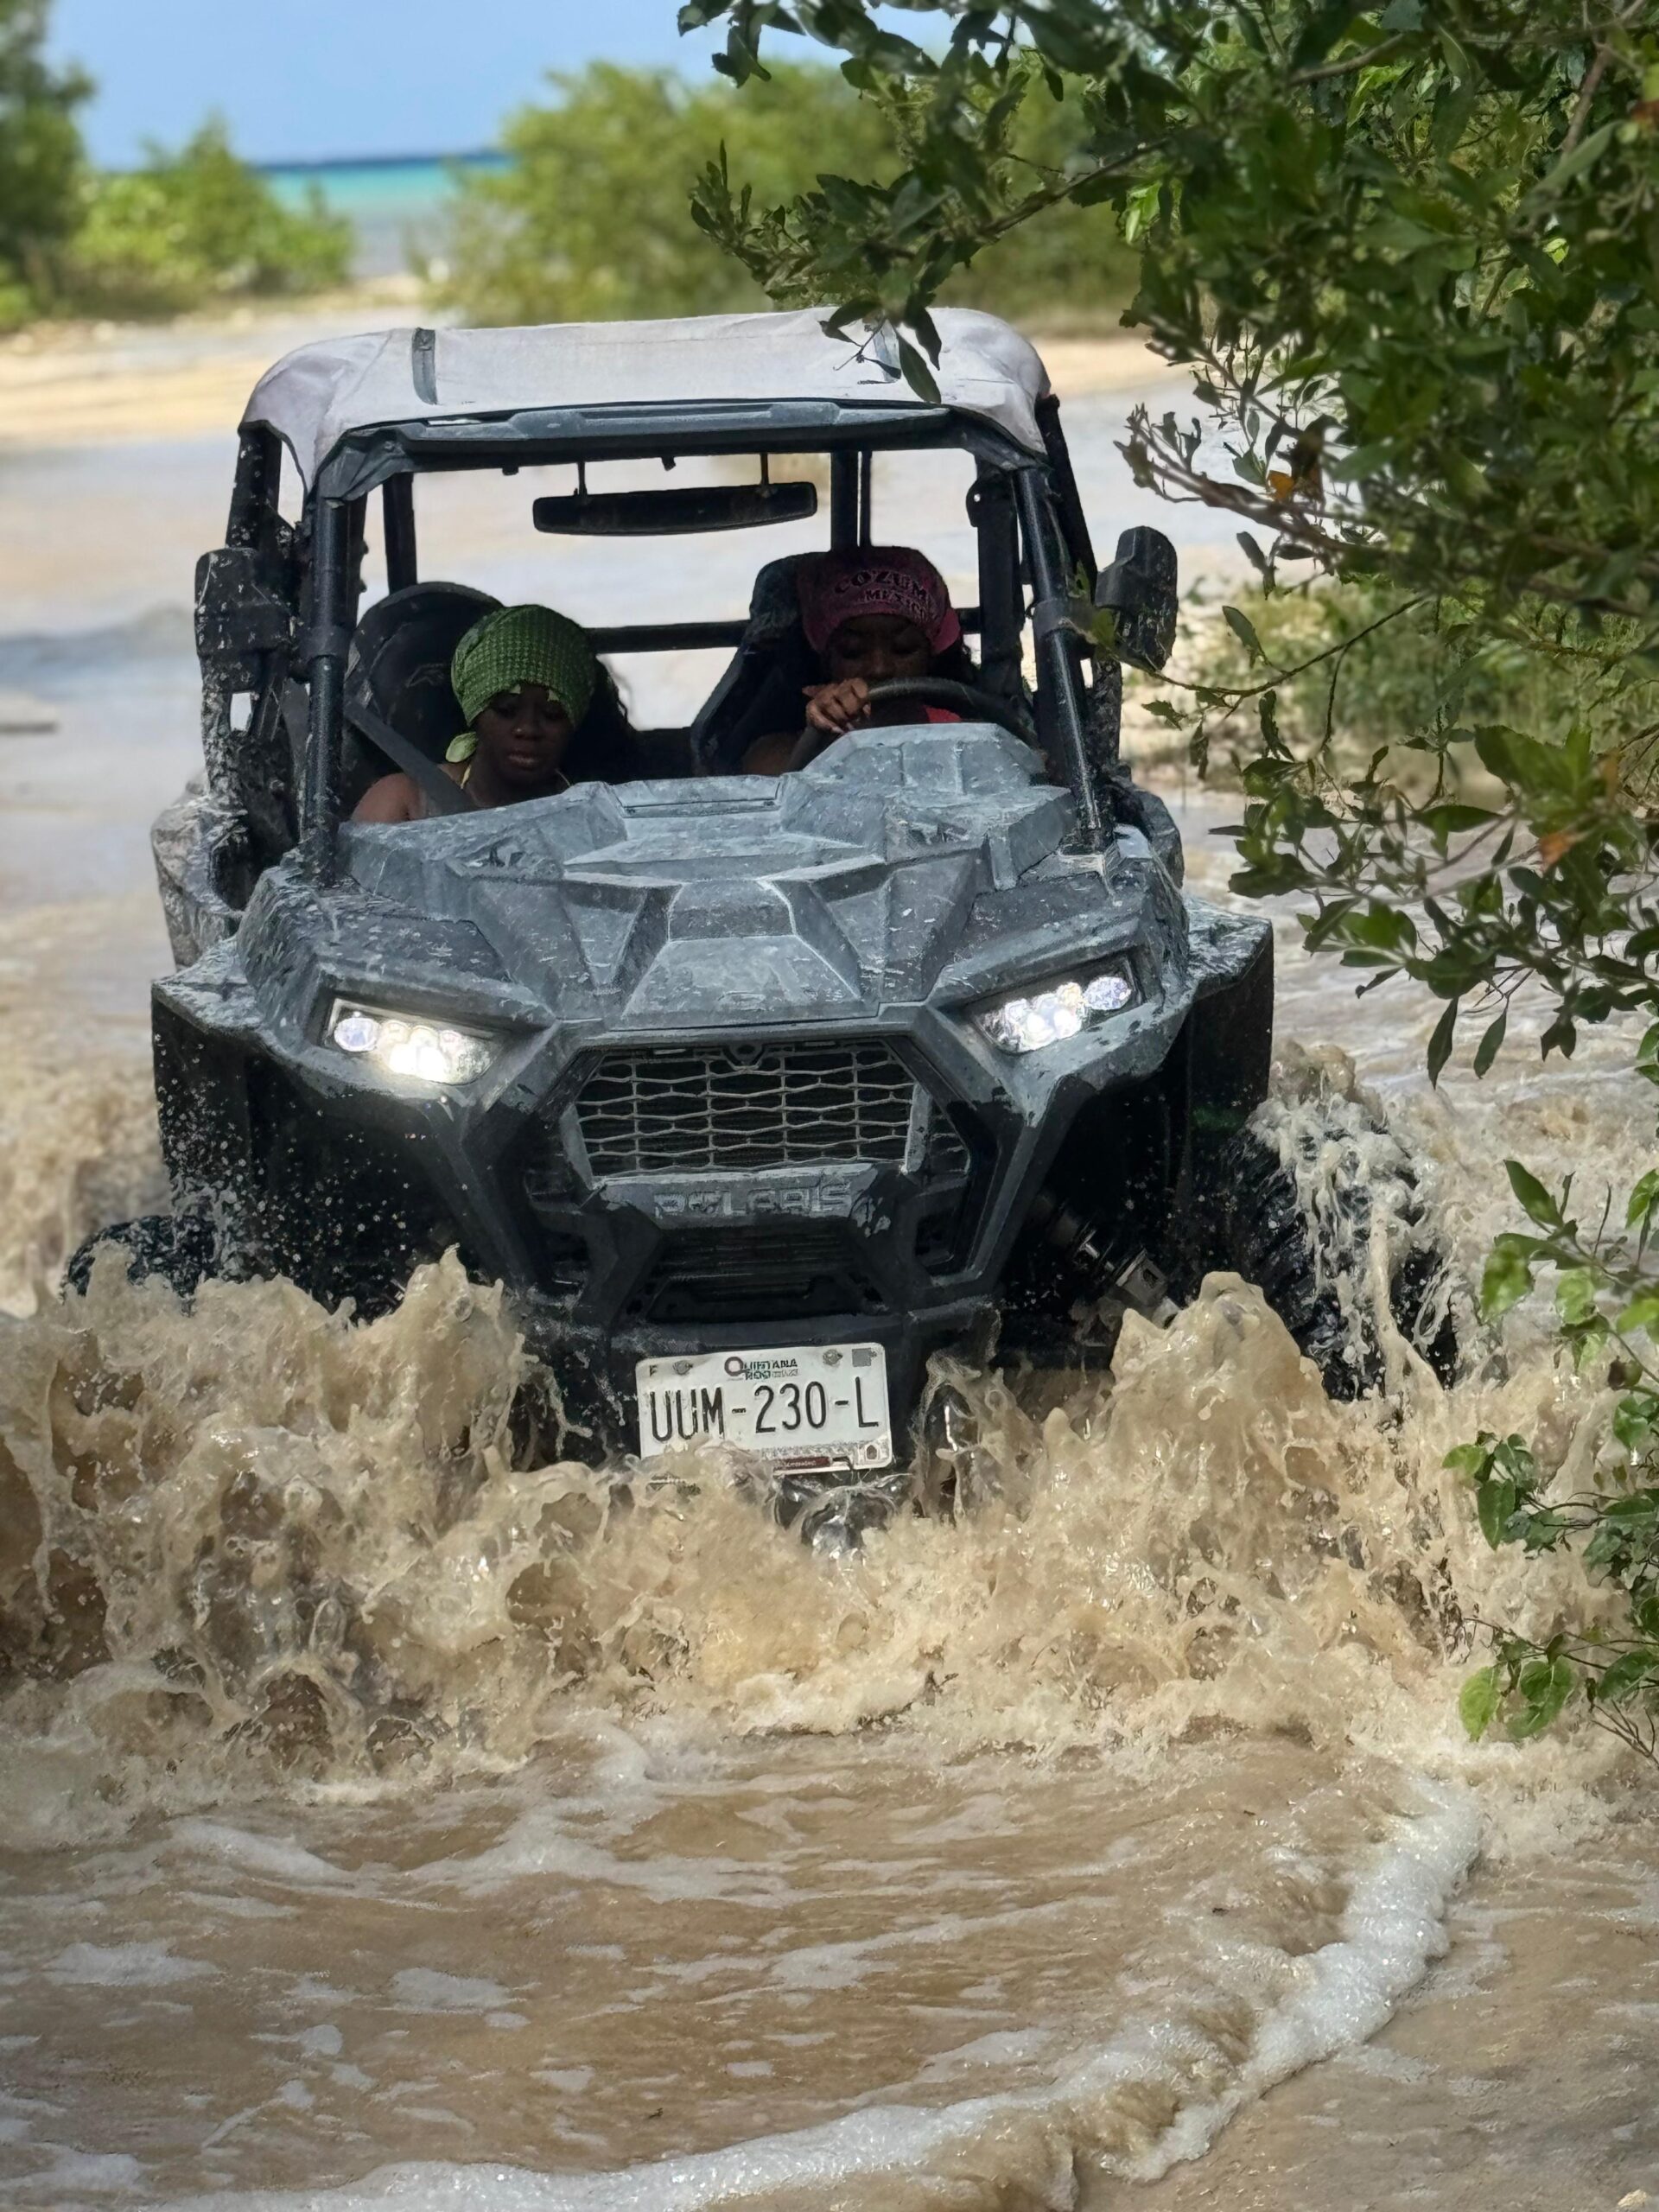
(259, 1532)
(1146, 1759)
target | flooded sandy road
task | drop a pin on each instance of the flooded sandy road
(386, 1824)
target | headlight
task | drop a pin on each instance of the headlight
(404, 1046)
(1057, 1009)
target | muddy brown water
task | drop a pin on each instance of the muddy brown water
(386, 1824)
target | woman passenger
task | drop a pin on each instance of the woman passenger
(542, 713)
(873, 614)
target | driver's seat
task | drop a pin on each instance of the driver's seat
(761, 691)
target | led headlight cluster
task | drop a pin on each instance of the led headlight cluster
(403, 1045)
(1061, 1007)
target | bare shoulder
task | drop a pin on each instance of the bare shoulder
(394, 798)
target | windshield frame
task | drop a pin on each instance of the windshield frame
(390, 457)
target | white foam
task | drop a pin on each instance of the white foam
(540, 1843)
(124, 1966)
(278, 1858)
(96, 2173)
(1340, 1994)
(423, 1989)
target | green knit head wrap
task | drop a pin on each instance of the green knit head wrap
(522, 644)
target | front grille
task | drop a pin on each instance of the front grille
(753, 1274)
(699, 1106)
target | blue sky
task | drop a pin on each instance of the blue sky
(309, 79)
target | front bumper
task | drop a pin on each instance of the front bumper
(664, 1258)
(893, 1225)
(333, 1174)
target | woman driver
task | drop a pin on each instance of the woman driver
(874, 615)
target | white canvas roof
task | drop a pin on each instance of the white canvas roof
(316, 396)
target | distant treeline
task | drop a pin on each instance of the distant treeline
(593, 218)
(187, 229)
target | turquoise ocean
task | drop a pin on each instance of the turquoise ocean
(395, 204)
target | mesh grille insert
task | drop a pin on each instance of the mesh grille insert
(756, 1274)
(775, 1106)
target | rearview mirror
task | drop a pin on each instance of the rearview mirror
(675, 511)
(1139, 588)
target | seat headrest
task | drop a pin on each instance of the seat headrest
(402, 652)
(775, 602)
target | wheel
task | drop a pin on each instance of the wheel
(179, 1247)
(971, 701)
(1321, 1210)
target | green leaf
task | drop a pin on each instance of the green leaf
(1641, 1314)
(1491, 1044)
(1635, 1417)
(1620, 1681)
(918, 375)
(1495, 1503)
(1584, 155)
(1643, 1200)
(1244, 629)
(1535, 1199)
(1506, 1278)
(1449, 817)
(1469, 1459)
(1575, 1295)
(1478, 1702)
(1546, 1685)
(1439, 1045)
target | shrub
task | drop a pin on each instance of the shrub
(40, 160)
(593, 218)
(195, 226)
(1348, 665)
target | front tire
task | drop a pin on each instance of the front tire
(1322, 1210)
(178, 1247)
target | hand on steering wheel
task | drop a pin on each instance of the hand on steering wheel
(969, 700)
(834, 709)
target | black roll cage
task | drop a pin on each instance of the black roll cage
(1028, 515)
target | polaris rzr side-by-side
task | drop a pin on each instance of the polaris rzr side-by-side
(754, 1092)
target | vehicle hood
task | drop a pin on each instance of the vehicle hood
(895, 863)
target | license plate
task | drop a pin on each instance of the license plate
(811, 1405)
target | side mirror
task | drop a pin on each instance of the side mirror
(240, 615)
(1141, 589)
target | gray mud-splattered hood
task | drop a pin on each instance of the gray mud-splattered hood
(898, 868)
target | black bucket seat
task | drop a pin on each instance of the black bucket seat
(400, 665)
(762, 689)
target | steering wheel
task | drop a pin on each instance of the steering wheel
(966, 700)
